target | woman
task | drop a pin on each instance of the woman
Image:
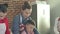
(22, 17)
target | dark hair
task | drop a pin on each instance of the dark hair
(30, 22)
(26, 5)
(3, 8)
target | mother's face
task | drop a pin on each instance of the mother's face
(26, 13)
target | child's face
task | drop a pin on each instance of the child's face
(30, 27)
(2, 15)
(26, 13)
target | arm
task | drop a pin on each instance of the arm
(15, 25)
(7, 27)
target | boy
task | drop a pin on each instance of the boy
(22, 17)
(4, 27)
(29, 26)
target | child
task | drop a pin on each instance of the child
(22, 17)
(29, 26)
(4, 27)
(57, 26)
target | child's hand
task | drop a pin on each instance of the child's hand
(21, 27)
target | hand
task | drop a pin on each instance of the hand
(21, 27)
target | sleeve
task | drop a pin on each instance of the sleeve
(35, 31)
(15, 25)
(30, 18)
(7, 27)
(55, 27)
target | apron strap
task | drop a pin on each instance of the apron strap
(20, 19)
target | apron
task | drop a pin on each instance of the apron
(2, 28)
(20, 22)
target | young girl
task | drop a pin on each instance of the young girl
(4, 27)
